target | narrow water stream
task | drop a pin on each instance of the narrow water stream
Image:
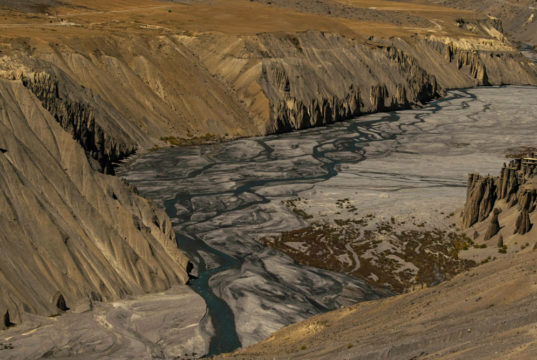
(222, 198)
(225, 339)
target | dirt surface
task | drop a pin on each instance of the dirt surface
(169, 325)
(488, 312)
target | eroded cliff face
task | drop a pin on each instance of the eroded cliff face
(515, 188)
(330, 78)
(296, 81)
(120, 94)
(70, 234)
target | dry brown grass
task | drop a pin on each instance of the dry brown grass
(433, 253)
(235, 17)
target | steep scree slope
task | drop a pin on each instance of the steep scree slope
(70, 234)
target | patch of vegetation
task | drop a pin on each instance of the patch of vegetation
(7, 346)
(291, 204)
(520, 152)
(383, 253)
(346, 204)
(196, 140)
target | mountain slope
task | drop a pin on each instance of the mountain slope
(70, 234)
(488, 312)
(519, 17)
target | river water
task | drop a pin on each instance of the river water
(222, 198)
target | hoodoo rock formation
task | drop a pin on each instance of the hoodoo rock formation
(480, 198)
(494, 225)
(523, 223)
(500, 241)
(515, 188)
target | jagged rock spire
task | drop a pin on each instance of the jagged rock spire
(523, 223)
(494, 225)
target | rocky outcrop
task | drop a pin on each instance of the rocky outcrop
(480, 198)
(494, 225)
(104, 133)
(309, 92)
(468, 61)
(297, 106)
(515, 186)
(523, 223)
(500, 241)
(70, 234)
(78, 117)
(300, 80)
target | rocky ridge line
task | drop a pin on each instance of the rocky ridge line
(93, 123)
(300, 80)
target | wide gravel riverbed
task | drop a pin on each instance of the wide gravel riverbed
(222, 198)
